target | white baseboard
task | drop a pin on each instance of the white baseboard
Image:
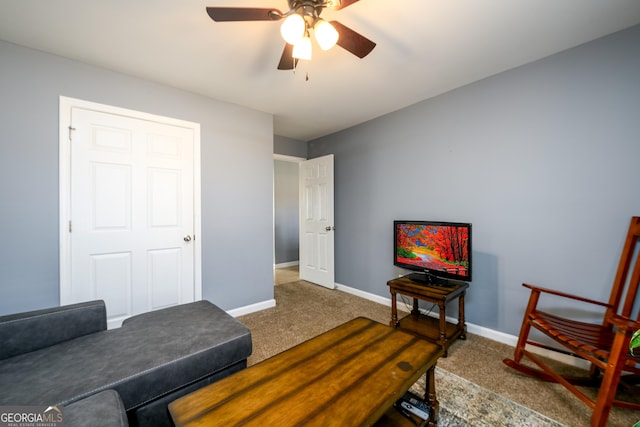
(286, 264)
(482, 331)
(248, 309)
(363, 294)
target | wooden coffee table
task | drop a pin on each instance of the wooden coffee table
(348, 376)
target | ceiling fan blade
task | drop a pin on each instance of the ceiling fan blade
(287, 61)
(222, 14)
(345, 3)
(355, 43)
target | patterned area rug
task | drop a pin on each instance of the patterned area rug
(465, 404)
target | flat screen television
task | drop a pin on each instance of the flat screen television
(438, 250)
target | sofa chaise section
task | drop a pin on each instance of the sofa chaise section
(151, 360)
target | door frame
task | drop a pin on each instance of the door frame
(290, 159)
(65, 106)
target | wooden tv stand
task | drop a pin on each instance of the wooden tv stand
(438, 331)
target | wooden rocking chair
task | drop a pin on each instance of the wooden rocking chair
(605, 346)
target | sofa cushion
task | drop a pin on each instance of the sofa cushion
(24, 332)
(151, 355)
(104, 409)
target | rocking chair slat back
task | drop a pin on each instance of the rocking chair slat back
(627, 264)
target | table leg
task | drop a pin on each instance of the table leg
(461, 325)
(394, 309)
(430, 397)
(416, 307)
(443, 326)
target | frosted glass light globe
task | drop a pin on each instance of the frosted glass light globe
(292, 28)
(326, 35)
(302, 49)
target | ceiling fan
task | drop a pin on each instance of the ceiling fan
(302, 16)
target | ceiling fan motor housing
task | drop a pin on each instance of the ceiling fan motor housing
(309, 9)
(315, 3)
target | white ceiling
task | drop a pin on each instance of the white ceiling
(424, 48)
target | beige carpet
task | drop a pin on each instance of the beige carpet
(304, 310)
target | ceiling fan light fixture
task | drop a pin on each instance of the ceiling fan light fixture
(296, 26)
(302, 49)
(293, 28)
(326, 34)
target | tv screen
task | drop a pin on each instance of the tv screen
(437, 249)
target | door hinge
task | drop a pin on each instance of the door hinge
(71, 129)
(70, 227)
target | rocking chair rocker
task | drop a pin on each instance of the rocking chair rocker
(605, 346)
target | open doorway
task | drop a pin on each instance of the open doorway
(286, 222)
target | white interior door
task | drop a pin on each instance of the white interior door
(131, 217)
(316, 221)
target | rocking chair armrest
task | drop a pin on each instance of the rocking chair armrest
(538, 289)
(624, 323)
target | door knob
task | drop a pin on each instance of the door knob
(329, 228)
(187, 238)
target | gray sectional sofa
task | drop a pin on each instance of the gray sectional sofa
(65, 356)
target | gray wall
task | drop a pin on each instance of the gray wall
(237, 176)
(289, 147)
(286, 216)
(544, 160)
